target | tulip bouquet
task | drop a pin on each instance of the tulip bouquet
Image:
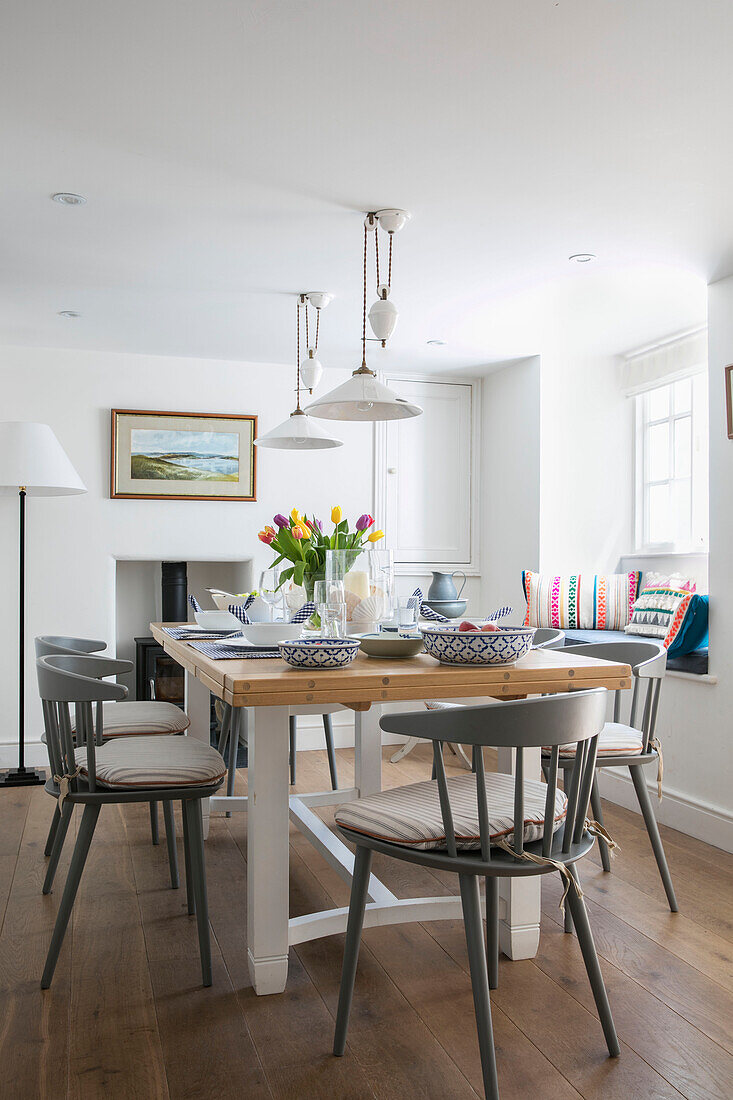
(302, 541)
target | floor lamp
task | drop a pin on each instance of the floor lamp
(32, 463)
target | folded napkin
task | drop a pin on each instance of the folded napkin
(195, 604)
(300, 616)
(186, 633)
(228, 653)
(416, 601)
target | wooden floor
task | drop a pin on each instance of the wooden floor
(127, 1016)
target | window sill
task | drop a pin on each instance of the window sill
(705, 679)
(667, 554)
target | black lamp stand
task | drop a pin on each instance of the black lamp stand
(21, 776)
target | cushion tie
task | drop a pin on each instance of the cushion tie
(544, 861)
(597, 830)
(656, 744)
(64, 782)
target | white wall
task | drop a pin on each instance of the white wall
(586, 463)
(73, 541)
(510, 482)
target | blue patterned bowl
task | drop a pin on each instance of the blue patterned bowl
(319, 652)
(452, 646)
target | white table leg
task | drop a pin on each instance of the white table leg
(368, 750)
(519, 929)
(198, 708)
(267, 849)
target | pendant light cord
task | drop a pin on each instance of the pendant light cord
(297, 353)
(364, 304)
(376, 252)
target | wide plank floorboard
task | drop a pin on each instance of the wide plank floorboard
(127, 1016)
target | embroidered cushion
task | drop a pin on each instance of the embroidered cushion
(411, 815)
(660, 610)
(692, 635)
(155, 762)
(123, 719)
(582, 601)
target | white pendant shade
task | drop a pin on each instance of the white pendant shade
(31, 456)
(311, 370)
(383, 318)
(298, 433)
(362, 397)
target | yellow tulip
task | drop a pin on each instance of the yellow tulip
(303, 530)
(295, 515)
(336, 515)
(376, 536)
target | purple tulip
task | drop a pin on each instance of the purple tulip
(281, 521)
(318, 524)
(364, 521)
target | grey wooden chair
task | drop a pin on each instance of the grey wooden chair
(125, 719)
(484, 826)
(140, 769)
(547, 637)
(635, 744)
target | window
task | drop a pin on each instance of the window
(672, 466)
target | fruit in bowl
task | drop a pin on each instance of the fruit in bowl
(487, 628)
(457, 645)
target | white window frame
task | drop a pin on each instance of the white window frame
(472, 566)
(699, 477)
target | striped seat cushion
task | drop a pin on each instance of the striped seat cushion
(615, 739)
(145, 717)
(155, 762)
(411, 815)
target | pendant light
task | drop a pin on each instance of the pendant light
(300, 432)
(311, 367)
(383, 314)
(362, 397)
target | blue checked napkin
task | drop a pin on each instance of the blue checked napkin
(185, 633)
(300, 616)
(195, 604)
(416, 601)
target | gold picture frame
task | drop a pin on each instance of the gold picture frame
(178, 456)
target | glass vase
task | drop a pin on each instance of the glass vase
(368, 580)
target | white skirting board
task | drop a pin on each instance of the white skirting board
(712, 824)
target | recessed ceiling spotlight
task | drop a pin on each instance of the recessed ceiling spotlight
(437, 343)
(68, 313)
(66, 198)
(582, 257)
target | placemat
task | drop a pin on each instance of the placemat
(227, 653)
(185, 634)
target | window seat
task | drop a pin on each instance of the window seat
(694, 663)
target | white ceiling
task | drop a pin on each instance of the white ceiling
(227, 149)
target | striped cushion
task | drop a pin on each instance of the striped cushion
(123, 719)
(615, 739)
(411, 815)
(581, 601)
(155, 762)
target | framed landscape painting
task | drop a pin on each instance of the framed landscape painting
(182, 456)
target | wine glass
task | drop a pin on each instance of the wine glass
(269, 580)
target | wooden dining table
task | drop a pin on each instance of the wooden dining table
(273, 691)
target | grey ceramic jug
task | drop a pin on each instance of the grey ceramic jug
(443, 588)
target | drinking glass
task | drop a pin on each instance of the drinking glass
(330, 602)
(269, 580)
(406, 615)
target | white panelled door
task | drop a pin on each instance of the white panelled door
(428, 475)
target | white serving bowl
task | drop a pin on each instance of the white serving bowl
(452, 646)
(271, 633)
(217, 620)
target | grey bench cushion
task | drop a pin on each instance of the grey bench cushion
(155, 762)
(411, 815)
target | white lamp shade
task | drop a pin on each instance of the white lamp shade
(298, 433)
(362, 397)
(383, 318)
(31, 456)
(311, 371)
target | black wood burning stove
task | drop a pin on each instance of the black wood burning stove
(158, 676)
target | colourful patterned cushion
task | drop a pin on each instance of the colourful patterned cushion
(411, 815)
(661, 607)
(580, 602)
